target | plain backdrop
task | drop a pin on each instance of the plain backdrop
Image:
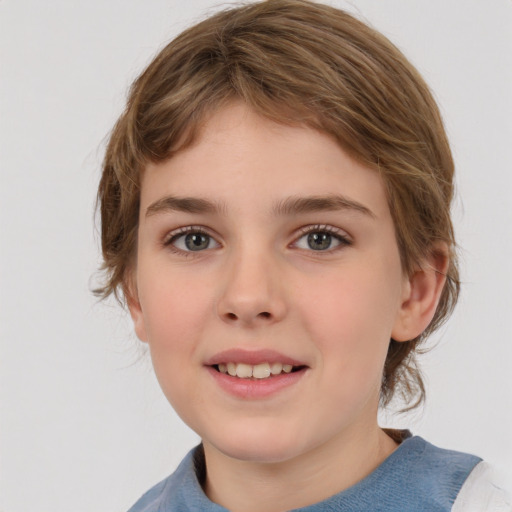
(83, 424)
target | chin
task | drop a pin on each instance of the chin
(261, 454)
(257, 445)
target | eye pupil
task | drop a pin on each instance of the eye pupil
(197, 241)
(319, 241)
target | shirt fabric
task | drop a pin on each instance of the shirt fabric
(416, 477)
(480, 493)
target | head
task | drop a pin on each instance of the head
(296, 63)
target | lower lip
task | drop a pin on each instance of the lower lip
(253, 389)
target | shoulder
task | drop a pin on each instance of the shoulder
(168, 489)
(150, 500)
(460, 479)
(416, 477)
(422, 476)
(180, 491)
(438, 468)
(480, 492)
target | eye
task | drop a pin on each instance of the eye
(191, 240)
(322, 238)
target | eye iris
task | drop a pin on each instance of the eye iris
(319, 241)
(197, 241)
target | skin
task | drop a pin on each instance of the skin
(258, 284)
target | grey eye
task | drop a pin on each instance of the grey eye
(319, 241)
(193, 242)
(197, 241)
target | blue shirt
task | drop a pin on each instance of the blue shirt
(416, 477)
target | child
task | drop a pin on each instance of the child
(275, 207)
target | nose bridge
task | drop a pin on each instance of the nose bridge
(251, 290)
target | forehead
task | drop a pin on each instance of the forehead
(239, 155)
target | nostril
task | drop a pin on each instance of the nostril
(230, 316)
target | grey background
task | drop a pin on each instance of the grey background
(83, 424)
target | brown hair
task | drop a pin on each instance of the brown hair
(294, 62)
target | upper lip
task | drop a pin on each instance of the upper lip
(252, 357)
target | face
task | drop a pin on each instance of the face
(268, 284)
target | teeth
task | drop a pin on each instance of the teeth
(244, 371)
(231, 369)
(261, 371)
(258, 371)
(276, 368)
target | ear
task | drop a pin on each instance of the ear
(132, 301)
(421, 293)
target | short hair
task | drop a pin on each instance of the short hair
(294, 62)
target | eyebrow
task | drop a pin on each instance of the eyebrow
(184, 204)
(289, 206)
(297, 205)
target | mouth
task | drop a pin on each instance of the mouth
(261, 371)
(255, 373)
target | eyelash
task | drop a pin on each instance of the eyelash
(336, 233)
(172, 237)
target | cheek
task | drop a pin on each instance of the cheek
(351, 320)
(175, 316)
(173, 306)
(175, 312)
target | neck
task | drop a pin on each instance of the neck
(246, 486)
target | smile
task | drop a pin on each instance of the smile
(257, 371)
(255, 374)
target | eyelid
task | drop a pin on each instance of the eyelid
(341, 235)
(173, 235)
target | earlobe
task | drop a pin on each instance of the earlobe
(132, 301)
(421, 293)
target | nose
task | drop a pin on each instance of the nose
(252, 291)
